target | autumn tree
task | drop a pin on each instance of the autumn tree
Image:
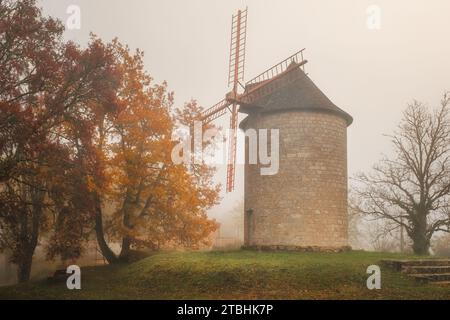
(46, 86)
(81, 129)
(412, 189)
(156, 202)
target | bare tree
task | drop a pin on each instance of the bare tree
(413, 189)
(441, 246)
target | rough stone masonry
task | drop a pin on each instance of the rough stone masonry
(303, 206)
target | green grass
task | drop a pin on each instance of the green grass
(237, 275)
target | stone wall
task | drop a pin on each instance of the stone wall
(305, 204)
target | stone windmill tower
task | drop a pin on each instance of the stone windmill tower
(304, 205)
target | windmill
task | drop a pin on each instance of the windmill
(252, 91)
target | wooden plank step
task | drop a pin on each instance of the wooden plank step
(398, 264)
(441, 283)
(425, 269)
(425, 277)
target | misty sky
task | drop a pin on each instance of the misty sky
(371, 74)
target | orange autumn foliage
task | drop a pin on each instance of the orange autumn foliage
(82, 129)
(156, 202)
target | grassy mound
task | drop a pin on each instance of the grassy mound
(237, 275)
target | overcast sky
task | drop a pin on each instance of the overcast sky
(370, 73)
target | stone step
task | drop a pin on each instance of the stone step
(425, 269)
(399, 264)
(441, 283)
(432, 277)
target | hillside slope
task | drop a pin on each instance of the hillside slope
(237, 275)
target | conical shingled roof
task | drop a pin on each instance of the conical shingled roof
(294, 90)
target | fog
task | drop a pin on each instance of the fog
(370, 73)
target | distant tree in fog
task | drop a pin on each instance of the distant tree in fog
(412, 188)
(441, 246)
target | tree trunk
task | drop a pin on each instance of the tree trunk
(126, 240)
(29, 236)
(24, 267)
(421, 243)
(28, 246)
(104, 248)
(126, 248)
